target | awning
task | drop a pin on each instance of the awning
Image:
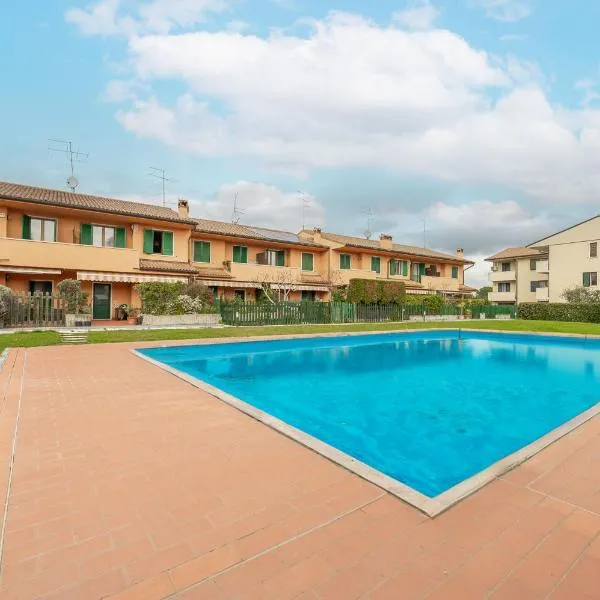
(30, 270)
(128, 277)
(231, 284)
(300, 288)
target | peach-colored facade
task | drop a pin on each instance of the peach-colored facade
(235, 261)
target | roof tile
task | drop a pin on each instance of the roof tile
(520, 252)
(170, 266)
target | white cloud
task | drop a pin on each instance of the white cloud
(505, 10)
(108, 17)
(419, 14)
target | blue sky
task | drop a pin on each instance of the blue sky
(478, 117)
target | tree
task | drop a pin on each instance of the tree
(482, 293)
(581, 295)
(277, 287)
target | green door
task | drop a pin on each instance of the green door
(101, 301)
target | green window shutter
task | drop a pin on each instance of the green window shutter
(280, 258)
(454, 272)
(422, 269)
(244, 254)
(202, 252)
(26, 227)
(85, 234)
(148, 241)
(120, 237)
(240, 254)
(236, 254)
(167, 243)
(586, 280)
(376, 264)
(393, 267)
(344, 261)
(307, 261)
(405, 268)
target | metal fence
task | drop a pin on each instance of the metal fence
(35, 310)
(490, 311)
(291, 313)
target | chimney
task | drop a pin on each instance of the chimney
(460, 253)
(317, 234)
(386, 241)
(183, 208)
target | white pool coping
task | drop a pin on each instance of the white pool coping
(429, 506)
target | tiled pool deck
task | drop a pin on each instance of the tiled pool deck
(129, 483)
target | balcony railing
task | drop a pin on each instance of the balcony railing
(58, 255)
(542, 295)
(496, 276)
(542, 266)
(502, 297)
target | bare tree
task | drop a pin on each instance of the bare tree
(277, 287)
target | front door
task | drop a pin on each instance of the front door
(101, 301)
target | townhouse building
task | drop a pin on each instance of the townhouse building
(111, 245)
(543, 270)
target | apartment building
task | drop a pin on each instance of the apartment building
(111, 245)
(519, 275)
(543, 270)
(424, 271)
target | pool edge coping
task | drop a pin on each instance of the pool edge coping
(431, 507)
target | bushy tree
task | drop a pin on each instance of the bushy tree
(5, 294)
(482, 293)
(581, 295)
(70, 290)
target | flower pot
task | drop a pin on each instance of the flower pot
(132, 320)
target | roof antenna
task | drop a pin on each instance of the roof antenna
(237, 213)
(66, 147)
(369, 213)
(305, 205)
(160, 174)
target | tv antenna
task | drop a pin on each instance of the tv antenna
(369, 214)
(305, 206)
(237, 213)
(73, 156)
(160, 174)
(424, 233)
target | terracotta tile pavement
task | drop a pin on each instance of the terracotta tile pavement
(130, 484)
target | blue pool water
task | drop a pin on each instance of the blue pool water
(428, 409)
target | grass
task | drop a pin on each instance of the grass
(50, 338)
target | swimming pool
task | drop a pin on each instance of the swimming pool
(428, 409)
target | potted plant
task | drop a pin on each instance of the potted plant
(133, 316)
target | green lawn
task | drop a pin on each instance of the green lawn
(49, 338)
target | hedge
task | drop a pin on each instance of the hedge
(368, 291)
(555, 311)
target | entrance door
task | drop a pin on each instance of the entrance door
(101, 301)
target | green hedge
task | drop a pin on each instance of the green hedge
(368, 291)
(555, 311)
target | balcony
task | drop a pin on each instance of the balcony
(440, 284)
(542, 266)
(542, 295)
(58, 255)
(496, 276)
(502, 297)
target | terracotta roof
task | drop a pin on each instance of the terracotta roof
(466, 288)
(357, 242)
(251, 232)
(520, 252)
(37, 195)
(212, 273)
(168, 266)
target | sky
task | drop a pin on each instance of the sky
(456, 123)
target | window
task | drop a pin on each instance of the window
(594, 250)
(158, 242)
(40, 287)
(345, 261)
(504, 287)
(41, 230)
(308, 261)
(102, 236)
(275, 258)
(454, 272)
(375, 264)
(201, 251)
(532, 264)
(534, 285)
(505, 267)
(393, 266)
(240, 254)
(308, 296)
(405, 268)
(240, 295)
(590, 279)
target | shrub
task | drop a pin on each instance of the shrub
(5, 293)
(197, 289)
(70, 290)
(368, 291)
(175, 298)
(555, 311)
(581, 295)
(433, 302)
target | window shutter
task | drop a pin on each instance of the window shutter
(454, 272)
(344, 261)
(202, 252)
(120, 237)
(167, 243)
(375, 264)
(244, 254)
(393, 267)
(26, 227)
(307, 261)
(422, 269)
(586, 280)
(280, 258)
(85, 236)
(405, 268)
(148, 241)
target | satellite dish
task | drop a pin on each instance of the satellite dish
(72, 182)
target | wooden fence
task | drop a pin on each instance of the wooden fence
(35, 310)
